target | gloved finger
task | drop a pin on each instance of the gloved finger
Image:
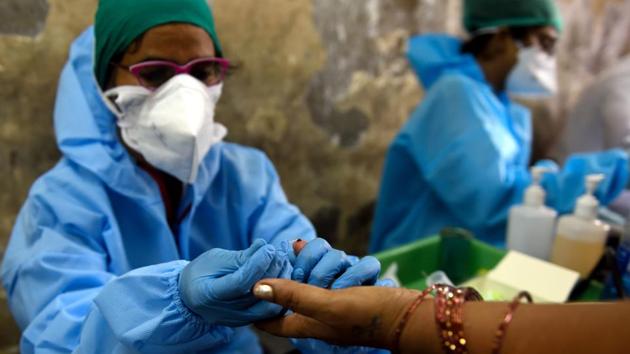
(363, 273)
(309, 257)
(287, 247)
(240, 282)
(616, 173)
(248, 253)
(286, 268)
(277, 265)
(353, 260)
(329, 267)
(286, 271)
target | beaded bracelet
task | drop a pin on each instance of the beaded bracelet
(500, 334)
(449, 303)
(449, 315)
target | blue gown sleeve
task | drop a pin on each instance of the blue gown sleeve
(142, 311)
(466, 154)
(66, 300)
(474, 165)
(275, 219)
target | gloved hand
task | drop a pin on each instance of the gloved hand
(316, 346)
(318, 264)
(564, 187)
(362, 271)
(217, 284)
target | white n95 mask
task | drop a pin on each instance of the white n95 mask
(534, 76)
(172, 127)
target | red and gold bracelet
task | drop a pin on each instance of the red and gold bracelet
(449, 308)
(500, 334)
(449, 315)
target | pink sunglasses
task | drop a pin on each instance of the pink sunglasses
(153, 74)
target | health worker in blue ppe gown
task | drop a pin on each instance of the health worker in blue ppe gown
(150, 232)
(462, 158)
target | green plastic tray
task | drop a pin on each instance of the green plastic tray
(457, 254)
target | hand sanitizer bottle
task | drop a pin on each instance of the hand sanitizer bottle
(581, 237)
(531, 226)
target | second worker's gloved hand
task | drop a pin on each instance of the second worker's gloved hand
(318, 264)
(315, 346)
(217, 284)
(566, 186)
(362, 271)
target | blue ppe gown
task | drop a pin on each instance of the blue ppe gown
(93, 266)
(462, 158)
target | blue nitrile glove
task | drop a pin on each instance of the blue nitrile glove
(319, 264)
(315, 346)
(566, 186)
(217, 285)
(363, 271)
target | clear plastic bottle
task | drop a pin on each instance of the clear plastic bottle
(581, 238)
(531, 226)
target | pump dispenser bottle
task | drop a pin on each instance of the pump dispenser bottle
(531, 226)
(581, 237)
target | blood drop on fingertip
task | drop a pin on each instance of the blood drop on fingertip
(298, 245)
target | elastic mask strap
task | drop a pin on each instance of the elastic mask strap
(108, 103)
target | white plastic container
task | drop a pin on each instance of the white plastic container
(581, 237)
(531, 226)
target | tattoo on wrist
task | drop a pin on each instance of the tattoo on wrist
(370, 331)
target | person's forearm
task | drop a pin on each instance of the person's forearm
(421, 331)
(577, 328)
(580, 328)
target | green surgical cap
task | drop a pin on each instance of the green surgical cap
(119, 22)
(481, 14)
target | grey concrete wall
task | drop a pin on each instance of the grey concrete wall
(323, 88)
(25, 17)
